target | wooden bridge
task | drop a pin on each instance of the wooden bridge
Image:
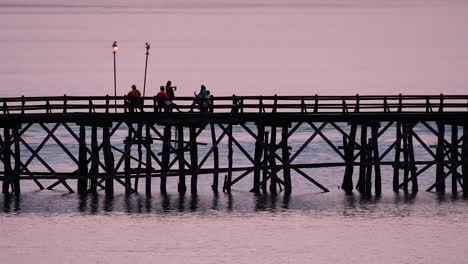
(89, 126)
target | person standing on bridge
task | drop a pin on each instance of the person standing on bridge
(170, 90)
(134, 100)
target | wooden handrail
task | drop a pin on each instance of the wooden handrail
(245, 104)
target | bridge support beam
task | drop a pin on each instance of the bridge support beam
(286, 164)
(258, 157)
(272, 161)
(7, 179)
(149, 167)
(440, 177)
(396, 164)
(228, 179)
(347, 184)
(109, 162)
(412, 160)
(193, 159)
(214, 186)
(376, 158)
(127, 162)
(361, 185)
(165, 158)
(82, 182)
(265, 163)
(465, 160)
(94, 160)
(181, 187)
(454, 159)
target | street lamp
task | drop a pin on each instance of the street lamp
(114, 50)
(146, 67)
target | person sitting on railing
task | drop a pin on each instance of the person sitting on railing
(200, 98)
(164, 101)
(134, 100)
(205, 103)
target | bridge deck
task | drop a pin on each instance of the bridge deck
(90, 123)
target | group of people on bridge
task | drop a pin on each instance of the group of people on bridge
(165, 99)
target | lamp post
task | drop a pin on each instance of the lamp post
(114, 50)
(146, 67)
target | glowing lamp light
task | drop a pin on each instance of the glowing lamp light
(115, 47)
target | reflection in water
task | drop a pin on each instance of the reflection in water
(11, 203)
(344, 204)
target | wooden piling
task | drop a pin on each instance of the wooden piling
(258, 157)
(94, 160)
(465, 160)
(454, 159)
(412, 161)
(109, 162)
(127, 163)
(362, 168)
(193, 159)
(230, 161)
(440, 178)
(265, 163)
(149, 167)
(17, 158)
(347, 184)
(405, 157)
(272, 161)
(376, 159)
(165, 158)
(368, 168)
(214, 186)
(140, 154)
(7, 161)
(82, 183)
(285, 157)
(396, 164)
(181, 187)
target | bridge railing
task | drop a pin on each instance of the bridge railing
(238, 104)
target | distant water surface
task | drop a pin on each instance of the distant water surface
(235, 47)
(245, 47)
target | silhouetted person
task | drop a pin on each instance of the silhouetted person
(164, 101)
(162, 97)
(200, 98)
(134, 100)
(170, 90)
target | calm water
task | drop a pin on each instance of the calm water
(51, 47)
